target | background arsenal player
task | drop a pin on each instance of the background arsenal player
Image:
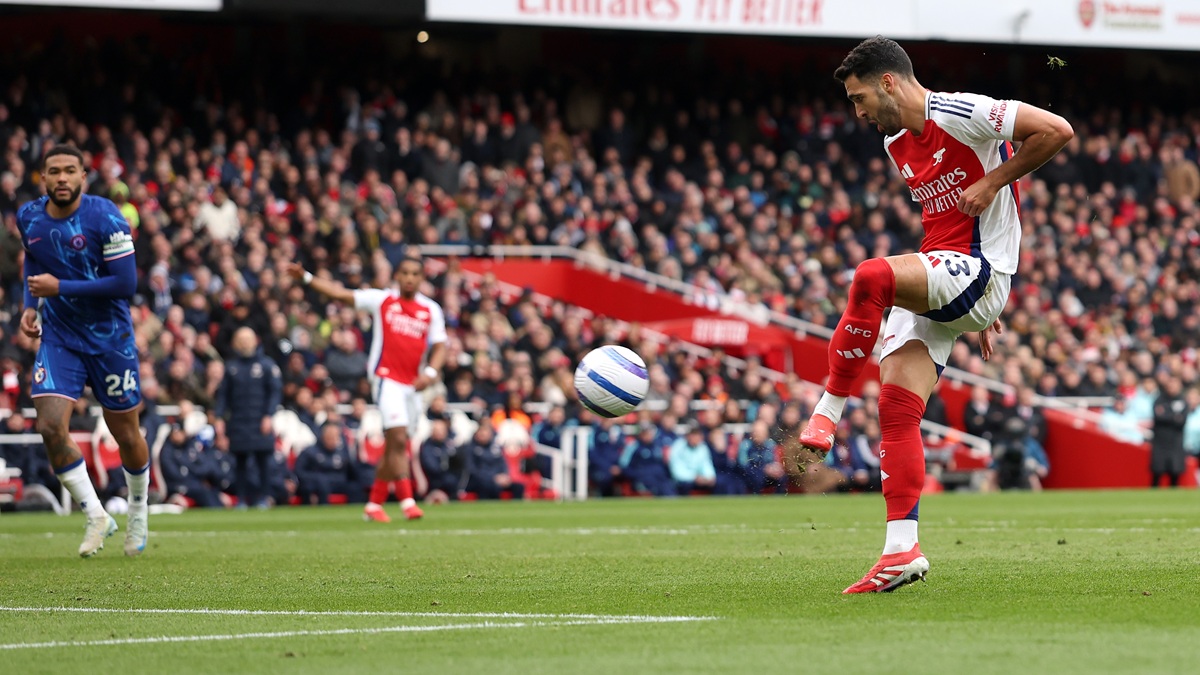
(405, 325)
(955, 153)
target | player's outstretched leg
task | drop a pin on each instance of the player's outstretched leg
(902, 462)
(53, 411)
(135, 461)
(872, 291)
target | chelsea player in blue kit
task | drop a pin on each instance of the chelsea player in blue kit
(79, 275)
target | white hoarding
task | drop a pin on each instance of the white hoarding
(191, 5)
(768, 17)
(1159, 24)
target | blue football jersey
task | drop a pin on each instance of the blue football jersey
(79, 248)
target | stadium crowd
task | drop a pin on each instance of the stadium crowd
(774, 199)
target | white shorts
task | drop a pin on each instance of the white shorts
(399, 404)
(965, 295)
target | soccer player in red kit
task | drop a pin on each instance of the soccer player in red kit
(405, 326)
(955, 152)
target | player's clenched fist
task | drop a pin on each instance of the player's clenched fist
(29, 323)
(295, 271)
(43, 285)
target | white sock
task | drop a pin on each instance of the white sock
(831, 406)
(407, 503)
(79, 484)
(138, 484)
(901, 536)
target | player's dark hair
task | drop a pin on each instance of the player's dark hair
(63, 149)
(874, 57)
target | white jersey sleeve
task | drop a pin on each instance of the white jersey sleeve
(369, 298)
(437, 323)
(972, 118)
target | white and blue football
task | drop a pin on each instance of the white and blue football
(611, 381)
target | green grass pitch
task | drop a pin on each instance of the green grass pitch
(1073, 582)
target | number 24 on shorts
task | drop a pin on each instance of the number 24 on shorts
(118, 384)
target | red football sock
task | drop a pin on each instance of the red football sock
(902, 453)
(873, 290)
(404, 489)
(379, 492)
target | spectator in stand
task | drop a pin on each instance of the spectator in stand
(690, 462)
(728, 478)
(1191, 428)
(487, 469)
(329, 468)
(248, 397)
(1141, 404)
(1037, 464)
(759, 460)
(513, 409)
(549, 432)
(983, 415)
(30, 458)
(191, 469)
(606, 456)
(1120, 424)
(346, 363)
(644, 463)
(443, 463)
(1167, 455)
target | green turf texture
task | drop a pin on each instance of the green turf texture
(1069, 582)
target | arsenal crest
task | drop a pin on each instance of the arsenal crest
(1087, 12)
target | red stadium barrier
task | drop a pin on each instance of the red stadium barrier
(1083, 456)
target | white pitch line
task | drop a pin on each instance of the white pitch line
(250, 636)
(598, 621)
(632, 618)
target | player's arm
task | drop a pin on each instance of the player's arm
(326, 287)
(1041, 134)
(120, 282)
(29, 316)
(437, 349)
(119, 277)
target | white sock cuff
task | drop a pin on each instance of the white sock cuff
(831, 406)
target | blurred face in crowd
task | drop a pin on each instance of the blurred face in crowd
(245, 342)
(874, 101)
(410, 275)
(438, 431)
(330, 435)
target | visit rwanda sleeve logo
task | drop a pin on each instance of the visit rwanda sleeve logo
(118, 244)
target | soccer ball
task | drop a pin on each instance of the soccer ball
(611, 381)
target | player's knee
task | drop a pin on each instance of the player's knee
(53, 431)
(874, 281)
(126, 438)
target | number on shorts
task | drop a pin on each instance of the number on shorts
(952, 266)
(117, 384)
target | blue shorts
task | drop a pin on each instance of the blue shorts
(113, 376)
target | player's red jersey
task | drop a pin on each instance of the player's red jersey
(965, 137)
(403, 331)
